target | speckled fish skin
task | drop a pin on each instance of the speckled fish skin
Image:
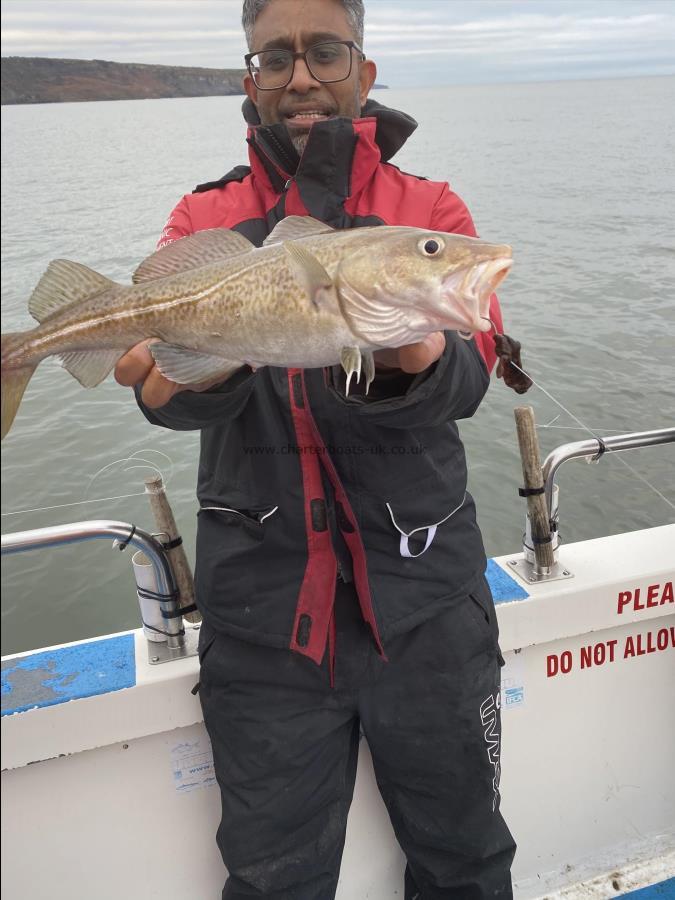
(383, 289)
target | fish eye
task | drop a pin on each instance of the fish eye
(430, 246)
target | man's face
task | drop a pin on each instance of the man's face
(296, 25)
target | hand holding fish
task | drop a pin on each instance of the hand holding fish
(413, 358)
(137, 366)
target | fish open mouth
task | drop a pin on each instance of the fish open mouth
(470, 292)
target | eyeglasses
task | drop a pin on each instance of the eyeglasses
(327, 62)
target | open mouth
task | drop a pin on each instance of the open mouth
(305, 118)
(484, 279)
(472, 290)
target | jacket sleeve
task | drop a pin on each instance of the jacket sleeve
(178, 225)
(452, 388)
(192, 410)
(450, 214)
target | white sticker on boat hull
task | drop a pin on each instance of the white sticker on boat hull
(192, 765)
(513, 681)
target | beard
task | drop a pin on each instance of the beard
(299, 141)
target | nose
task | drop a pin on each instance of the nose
(302, 79)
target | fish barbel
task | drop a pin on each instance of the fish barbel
(310, 297)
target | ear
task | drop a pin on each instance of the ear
(367, 75)
(251, 89)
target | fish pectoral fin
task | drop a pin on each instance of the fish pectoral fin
(350, 357)
(90, 367)
(310, 273)
(191, 252)
(190, 366)
(295, 227)
(63, 283)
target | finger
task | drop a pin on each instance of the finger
(418, 357)
(135, 365)
(158, 390)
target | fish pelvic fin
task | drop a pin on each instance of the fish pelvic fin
(64, 283)
(186, 366)
(14, 380)
(350, 358)
(90, 367)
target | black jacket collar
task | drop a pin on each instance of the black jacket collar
(393, 128)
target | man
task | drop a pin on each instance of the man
(339, 567)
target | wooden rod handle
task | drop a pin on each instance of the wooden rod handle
(533, 478)
(166, 524)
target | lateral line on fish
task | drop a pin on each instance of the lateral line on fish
(155, 307)
(121, 315)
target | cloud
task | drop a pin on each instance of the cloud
(494, 39)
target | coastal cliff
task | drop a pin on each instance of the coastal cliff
(43, 80)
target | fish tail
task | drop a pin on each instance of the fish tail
(14, 378)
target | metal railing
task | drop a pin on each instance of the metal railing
(124, 535)
(529, 567)
(596, 449)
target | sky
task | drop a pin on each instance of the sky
(414, 42)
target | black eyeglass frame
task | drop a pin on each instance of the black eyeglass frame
(302, 54)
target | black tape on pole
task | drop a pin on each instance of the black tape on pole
(530, 492)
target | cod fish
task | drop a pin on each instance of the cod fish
(310, 297)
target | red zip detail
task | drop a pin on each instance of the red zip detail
(317, 592)
(294, 205)
(356, 548)
(250, 136)
(353, 538)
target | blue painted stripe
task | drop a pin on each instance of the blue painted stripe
(49, 677)
(661, 891)
(504, 588)
(68, 673)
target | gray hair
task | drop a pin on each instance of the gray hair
(253, 8)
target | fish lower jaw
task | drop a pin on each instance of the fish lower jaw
(459, 311)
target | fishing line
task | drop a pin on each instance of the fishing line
(18, 512)
(572, 427)
(593, 435)
(135, 457)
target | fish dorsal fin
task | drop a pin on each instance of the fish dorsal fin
(90, 367)
(63, 283)
(310, 273)
(191, 252)
(292, 228)
(190, 366)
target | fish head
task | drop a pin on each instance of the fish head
(403, 283)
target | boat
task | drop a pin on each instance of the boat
(108, 786)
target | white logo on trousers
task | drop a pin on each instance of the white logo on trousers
(488, 717)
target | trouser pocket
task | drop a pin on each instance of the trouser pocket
(480, 609)
(207, 638)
